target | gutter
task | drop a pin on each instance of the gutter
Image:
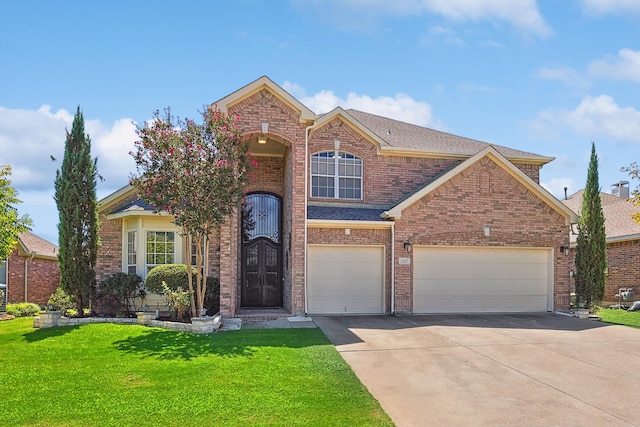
(393, 268)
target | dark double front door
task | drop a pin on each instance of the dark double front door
(261, 251)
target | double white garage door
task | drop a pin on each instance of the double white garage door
(481, 280)
(350, 280)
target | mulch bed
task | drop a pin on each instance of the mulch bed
(6, 316)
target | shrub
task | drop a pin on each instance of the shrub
(23, 309)
(173, 275)
(61, 302)
(117, 293)
(179, 301)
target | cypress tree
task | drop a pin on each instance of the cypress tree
(75, 196)
(591, 255)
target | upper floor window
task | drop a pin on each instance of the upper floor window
(336, 174)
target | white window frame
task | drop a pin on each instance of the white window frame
(149, 266)
(132, 251)
(337, 172)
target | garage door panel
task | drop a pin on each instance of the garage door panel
(448, 280)
(474, 305)
(345, 280)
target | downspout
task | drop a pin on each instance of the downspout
(306, 190)
(393, 268)
(26, 273)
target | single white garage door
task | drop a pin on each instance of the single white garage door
(480, 280)
(345, 280)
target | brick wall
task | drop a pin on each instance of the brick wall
(623, 264)
(623, 270)
(455, 213)
(109, 260)
(282, 176)
(387, 179)
(43, 278)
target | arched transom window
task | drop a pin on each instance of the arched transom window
(336, 175)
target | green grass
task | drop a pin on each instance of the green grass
(620, 317)
(120, 375)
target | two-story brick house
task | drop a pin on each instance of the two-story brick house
(352, 213)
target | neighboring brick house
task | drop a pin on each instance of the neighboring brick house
(31, 272)
(623, 240)
(353, 213)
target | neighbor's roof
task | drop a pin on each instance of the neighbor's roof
(406, 136)
(34, 245)
(618, 224)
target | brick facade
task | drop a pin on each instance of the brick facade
(42, 278)
(623, 270)
(455, 213)
(452, 214)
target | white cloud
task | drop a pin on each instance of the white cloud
(564, 74)
(29, 139)
(521, 14)
(595, 116)
(400, 107)
(601, 7)
(440, 33)
(626, 66)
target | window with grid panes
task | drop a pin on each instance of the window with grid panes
(336, 175)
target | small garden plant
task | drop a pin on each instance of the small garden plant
(23, 309)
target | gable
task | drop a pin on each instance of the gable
(484, 185)
(227, 103)
(337, 117)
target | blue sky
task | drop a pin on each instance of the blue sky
(543, 76)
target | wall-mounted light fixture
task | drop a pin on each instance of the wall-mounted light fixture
(487, 230)
(407, 246)
(565, 250)
(262, 139)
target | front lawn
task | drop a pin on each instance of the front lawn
(119, 375)
(620, 317)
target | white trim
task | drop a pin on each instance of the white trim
(136, 213)
(333, 223)
(256, 86)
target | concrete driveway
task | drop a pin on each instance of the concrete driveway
(494, 370)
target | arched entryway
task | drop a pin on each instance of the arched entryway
(261, 251)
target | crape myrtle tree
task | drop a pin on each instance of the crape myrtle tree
(75, 196)
(11, 224)
(196, 172)
(591, 256)
(634, 171)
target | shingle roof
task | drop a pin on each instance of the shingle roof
(617, 214)
(37, 245)
(401, 135)
(344, 214)
(138, 204)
